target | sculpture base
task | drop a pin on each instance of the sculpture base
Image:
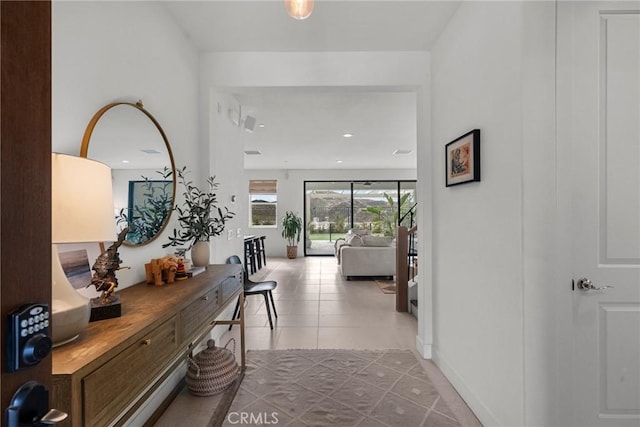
(100, 311)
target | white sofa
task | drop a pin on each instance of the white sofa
(360, 254)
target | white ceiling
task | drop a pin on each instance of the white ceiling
(305, 126)
(309, 126)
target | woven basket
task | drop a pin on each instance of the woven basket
(212, 370)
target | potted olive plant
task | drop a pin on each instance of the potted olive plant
(199, 217)
(291, 229)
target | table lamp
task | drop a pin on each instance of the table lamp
(82, 212)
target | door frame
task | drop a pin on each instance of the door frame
(25, 189)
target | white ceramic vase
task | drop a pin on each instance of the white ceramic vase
(200, 254)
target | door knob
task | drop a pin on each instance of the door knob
(30, 407)
(587, 285)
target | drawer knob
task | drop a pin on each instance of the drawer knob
(146, 341)
(205, 298)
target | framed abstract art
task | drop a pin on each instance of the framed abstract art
(462, 157)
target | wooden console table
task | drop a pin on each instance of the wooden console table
(115, 365)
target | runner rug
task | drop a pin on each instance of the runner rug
(337, 388)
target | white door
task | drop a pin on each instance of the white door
(599, 42)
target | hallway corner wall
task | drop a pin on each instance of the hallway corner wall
(225, 161)
(494, 337)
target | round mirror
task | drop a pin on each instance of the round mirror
(128, 139)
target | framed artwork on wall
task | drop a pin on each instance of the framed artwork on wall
(462, 159)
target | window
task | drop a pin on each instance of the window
(263, 200)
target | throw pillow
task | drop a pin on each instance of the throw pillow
(377, 240)
(354, 240)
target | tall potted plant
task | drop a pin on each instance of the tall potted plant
(200, 218)
(291, 229)
(386, 218)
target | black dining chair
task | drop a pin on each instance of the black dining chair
(262, 251)
(250, 255)
(255, 288)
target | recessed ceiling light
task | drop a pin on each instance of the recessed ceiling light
(347, 135)
(125, 161)
(261, 125)
(252, 152)
(402, 152)
(339, 161)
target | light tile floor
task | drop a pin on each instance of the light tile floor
(317, 308)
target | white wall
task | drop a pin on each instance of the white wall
(291, 195)
(541, 288)
(313, 69)
(424, 339)
(124, 51)
(493, 69)
(226, 162)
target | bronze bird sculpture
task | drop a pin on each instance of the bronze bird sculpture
(105, 267)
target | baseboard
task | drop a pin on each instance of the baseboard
(423, 349)
(481, 411)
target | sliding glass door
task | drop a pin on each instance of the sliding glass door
(327, 215)
(334, 207)
(375, 207)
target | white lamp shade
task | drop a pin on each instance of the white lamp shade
(82, 200)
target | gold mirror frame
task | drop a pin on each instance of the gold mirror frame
(84, 150)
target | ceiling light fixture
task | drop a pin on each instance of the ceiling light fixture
(339, 161)
(347, 135)
(299, 9)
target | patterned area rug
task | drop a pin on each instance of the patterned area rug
(337, 388)
(387, 286)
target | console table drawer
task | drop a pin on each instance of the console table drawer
(107, 391)
(230, 287)
(196, 314)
